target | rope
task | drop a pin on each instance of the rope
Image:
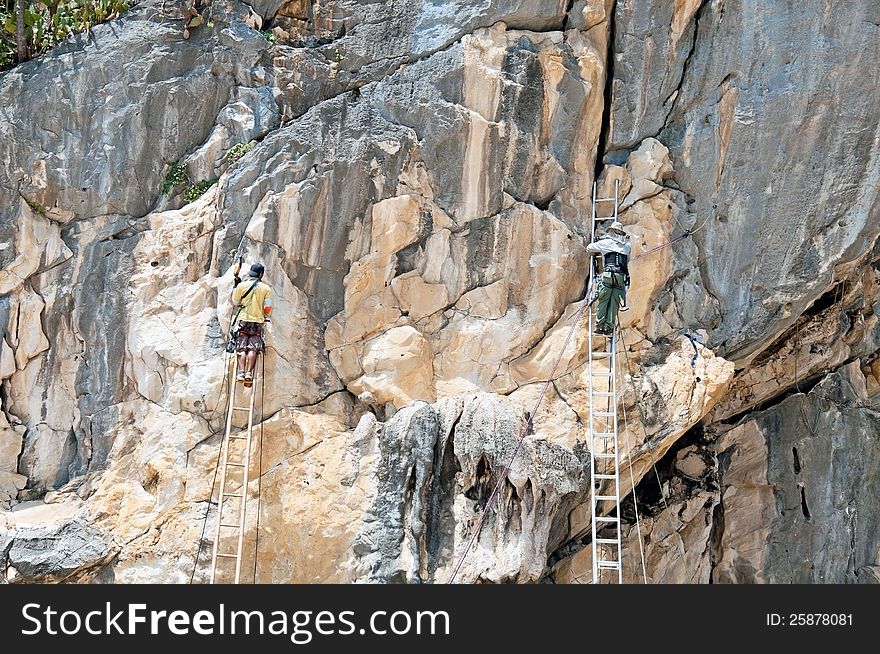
(651, 456)
(696, 353)
(632, 481)
(260, 477)
(216, 467)
(525, 430)
(663, 245)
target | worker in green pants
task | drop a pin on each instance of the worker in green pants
(614, 248)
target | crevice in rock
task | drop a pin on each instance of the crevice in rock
(568, 9)
(804, 508)
(441, 495)
(608, 92)
(676, 93)
(716, 535)
(803, 387)
(796, 463)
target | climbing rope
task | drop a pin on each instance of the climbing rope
(216, 464)
(525, 431)
(632, 480)
(651, 455)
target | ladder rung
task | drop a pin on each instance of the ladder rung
(607, 518)
(231, 494)
(237, 465)
(599, 373)
(597, 476)
(606, 200)
(603, 393)
(605, 414)
(607, 541)
(599, 355)
(601, 455)
(603, 433)
(604, 498)
(227, 556)
(608, 565)
(241, 408)
(226, 524)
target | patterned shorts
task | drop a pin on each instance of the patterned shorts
(250, 337)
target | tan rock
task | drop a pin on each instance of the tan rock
(10, 444)
(38, 243)
(418, 298)
(396, 224)
(555, 421)
(397, 367)
(7, 360)
(749, 507)
(10, 484)
(485, 301)
(30, 340)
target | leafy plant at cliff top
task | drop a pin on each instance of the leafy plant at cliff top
(175, 176)
(198, 189)
(237, 151)
(47, 23)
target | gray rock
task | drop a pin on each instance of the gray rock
(771, 138)
(68, 146)
(431, 455)
(52, 552)
(823, 455)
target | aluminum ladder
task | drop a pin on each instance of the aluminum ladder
(602, 426)
(235, 460)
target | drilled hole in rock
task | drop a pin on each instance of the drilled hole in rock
(154, 263)
(804, 507)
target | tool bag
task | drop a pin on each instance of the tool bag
(233, 333)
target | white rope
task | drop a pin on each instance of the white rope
(654, 464)
(633, 484)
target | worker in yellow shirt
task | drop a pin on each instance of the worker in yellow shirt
(253, 300)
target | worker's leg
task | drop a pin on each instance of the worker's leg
(251, 360)
(242, 357)
(613, 304)
(615, 299)
(603, 305)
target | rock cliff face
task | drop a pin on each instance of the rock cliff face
(416, 177)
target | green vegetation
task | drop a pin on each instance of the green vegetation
(237, 151)
(36, 208)
(175, 177)
(48, 22)
(198, 189)
(269, 35)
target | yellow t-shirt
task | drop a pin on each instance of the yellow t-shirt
(253, 309)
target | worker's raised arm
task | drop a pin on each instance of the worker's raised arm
(267, 304)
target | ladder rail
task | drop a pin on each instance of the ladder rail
(224, 456)
(243, 461)
(609, 428)
(244, 483)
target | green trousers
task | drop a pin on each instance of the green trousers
(611, 290)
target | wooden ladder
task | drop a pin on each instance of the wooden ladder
(235, 463)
